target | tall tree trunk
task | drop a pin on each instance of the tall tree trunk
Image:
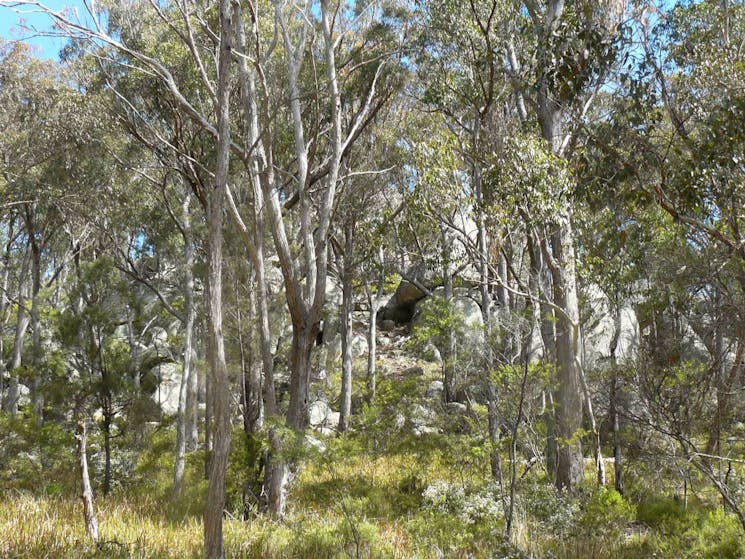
(543, 315)
(278, 470)
(37, 397)
(253, 404)
(569, 471)
(303, 339)
(209, 432)
(10, 404)
(346, 351)
(374, 301)
(89, 513)
(346, 329)
(488, 361)
(449, 346)
(4, 300)
(107, 417)
(213, 513)
(258, 167)
(614, 401)
(277, 477)
(187, 359)
(192, 399)
(540, 285)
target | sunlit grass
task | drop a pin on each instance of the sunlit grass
(354, 505)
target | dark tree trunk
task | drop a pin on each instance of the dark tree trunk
(278, 470)
(614, 402)
(37, 397)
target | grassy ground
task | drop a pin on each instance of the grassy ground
(359, 506)
(401, 504)
(382, 492)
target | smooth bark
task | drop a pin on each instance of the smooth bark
(23, 319)
(345, 318)
(182, 417)
(213, 513)
(89, 513)
(374, 301)
(561, 258)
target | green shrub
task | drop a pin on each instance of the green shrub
(667, 514)
(720, 537)
(694, 531)
(606, 513)
(34, 459)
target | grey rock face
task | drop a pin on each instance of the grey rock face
(400, 308)
(435, 390)
(167, 392)
(322, 417)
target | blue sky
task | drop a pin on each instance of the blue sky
(12, 26)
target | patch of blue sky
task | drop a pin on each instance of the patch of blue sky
(31, 25)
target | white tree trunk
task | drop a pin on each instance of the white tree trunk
(89, 513)
(213, 514)
(187, 372)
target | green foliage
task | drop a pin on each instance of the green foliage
(551, 508)
(37, 458)
(583, 45)
(606, 514)
(437, 319)
(690, 531)
(244, 477)
(527, 179)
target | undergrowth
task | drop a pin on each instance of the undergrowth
(381, 492)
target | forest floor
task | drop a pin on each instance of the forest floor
(411, 481)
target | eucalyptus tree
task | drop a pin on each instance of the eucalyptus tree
(575, 45)
(168, 159)
(363, 217)
(305, 171)
(112, 39)
(46, 128)
(463, 77)
(675, 142)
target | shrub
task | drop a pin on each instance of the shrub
(606, 513)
